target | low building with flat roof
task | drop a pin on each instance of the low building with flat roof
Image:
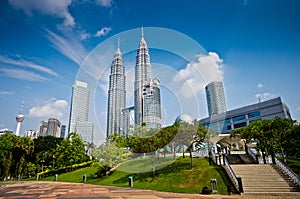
(224, 123)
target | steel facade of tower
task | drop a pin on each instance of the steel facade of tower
(116, 120)
(79, 105)
(142, 76)
(147, 107)
(215, 96)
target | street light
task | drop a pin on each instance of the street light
(42, 161)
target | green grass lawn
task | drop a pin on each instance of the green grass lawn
(294, 164)
(74, 176)
(175, 177)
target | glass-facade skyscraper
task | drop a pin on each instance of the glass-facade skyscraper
(147, 107)
(116, 121)
(215, 96)
(79, 111)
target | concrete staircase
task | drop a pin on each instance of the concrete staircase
(240, 159)
(263, 179)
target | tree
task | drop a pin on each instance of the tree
(271, 135)
(110, 155)
(6, 154)
(71, 151)
(188, 134)
(281, 129)
(45, 150)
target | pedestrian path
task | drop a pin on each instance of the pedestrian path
(62, 190)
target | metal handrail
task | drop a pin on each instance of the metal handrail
(231, 173)
(288, 171)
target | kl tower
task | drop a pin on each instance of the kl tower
(20, 118)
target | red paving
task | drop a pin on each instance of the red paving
(63, 190)
(55, 190)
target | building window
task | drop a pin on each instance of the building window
(226, 128)
(227, 121)
(238, 118)
(212, 125)
(239, 125)
(253, 114)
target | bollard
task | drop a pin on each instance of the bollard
(214, 185)
(84, 178)
(130, 181)
(55, 177)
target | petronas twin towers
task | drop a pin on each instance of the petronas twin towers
(147, 106)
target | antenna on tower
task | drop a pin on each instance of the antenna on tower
(22, 106)
(142, 31)
(118, 42)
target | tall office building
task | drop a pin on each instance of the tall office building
(79, 105)
(142, 84)
(215, 96)
(151, 105)
(54, 127)
(142, 75)
(63, 131)
(85, 130)
(116, 122)
(43, 128)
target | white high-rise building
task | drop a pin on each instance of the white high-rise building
(215, 96)
(116, 119)
(79, 111)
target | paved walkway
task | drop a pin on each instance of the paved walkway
(62, 190)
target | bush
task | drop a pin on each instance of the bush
(64, 169)
(102, 170)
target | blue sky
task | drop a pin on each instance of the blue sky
(255, 44)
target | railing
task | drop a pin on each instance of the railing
(252, 154)
(294, 177)
(232, 175)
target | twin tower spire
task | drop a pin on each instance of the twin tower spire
(147, 106)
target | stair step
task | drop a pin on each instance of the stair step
(297, 194)
(262, 178)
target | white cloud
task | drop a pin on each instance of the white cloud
(260, 85)
(263, 96)
(52, 108)
(6, 92)
(21, 74)
(70, 47)
(85, 35)
(56, 8)
(28, 64)
(196, 75)
(105, 3)
(104, 31)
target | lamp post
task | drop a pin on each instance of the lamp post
(53, 156)
(42, 161)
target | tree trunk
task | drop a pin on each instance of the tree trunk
(264, 157)
(273, 157)
(174, 154)
(191, 158)
(282, 154)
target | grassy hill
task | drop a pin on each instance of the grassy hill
(175, 177)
